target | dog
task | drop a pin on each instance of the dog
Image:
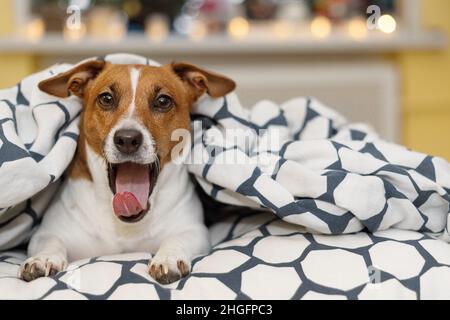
(124, 192)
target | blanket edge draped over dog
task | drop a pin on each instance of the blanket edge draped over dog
(301, 160)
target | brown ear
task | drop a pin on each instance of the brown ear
(72, 81)
(201, 81)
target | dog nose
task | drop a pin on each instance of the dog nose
(128, 141)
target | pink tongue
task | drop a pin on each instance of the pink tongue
(132, 189)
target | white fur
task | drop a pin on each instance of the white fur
(81, 222)
(146, 153)
(134, 79)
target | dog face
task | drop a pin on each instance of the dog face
(130, 112)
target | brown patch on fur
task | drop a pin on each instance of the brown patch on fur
(162, 124)
(184, 83)
(78, 168)
(96, 123)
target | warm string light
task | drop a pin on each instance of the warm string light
(157, 27)
(74, 34)
(34, 29)
(113, 26)
(282, 29)
(238, 28)
(321, 27)
(117, 31)
(198, 31)
(357, 28)
(387, 24)
(109, 25)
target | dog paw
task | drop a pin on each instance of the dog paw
(41, 266)
(168, 268)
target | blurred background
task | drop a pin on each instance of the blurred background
(385, 62)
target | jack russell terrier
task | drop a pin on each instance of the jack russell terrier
(124, 192)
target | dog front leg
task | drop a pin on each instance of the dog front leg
(48, 256)
(173, 259)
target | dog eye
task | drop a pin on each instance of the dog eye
(106, 100)
(163, 103)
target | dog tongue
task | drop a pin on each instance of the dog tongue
(132, 189)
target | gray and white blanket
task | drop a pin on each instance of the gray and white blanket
(300, 160)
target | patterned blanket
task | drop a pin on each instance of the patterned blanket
(309, 166)
(300, 160)
(258, 256)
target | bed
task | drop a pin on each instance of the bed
(257, 256)
(329, 211)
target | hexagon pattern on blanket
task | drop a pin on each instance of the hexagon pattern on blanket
(270, 260)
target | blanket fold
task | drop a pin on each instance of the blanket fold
(304, 162)
(301, 160)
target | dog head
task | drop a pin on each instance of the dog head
(130, 112)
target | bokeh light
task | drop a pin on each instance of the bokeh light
(387, 24)
(198, 31)
(238, 28)
(357, 28)
(321, 27)
(157, 27)
(35, 29)
(74, 34)
(282, 29)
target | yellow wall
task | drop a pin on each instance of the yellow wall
(426, 89)
(6, 22)
(13, 67)
(425, 82)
